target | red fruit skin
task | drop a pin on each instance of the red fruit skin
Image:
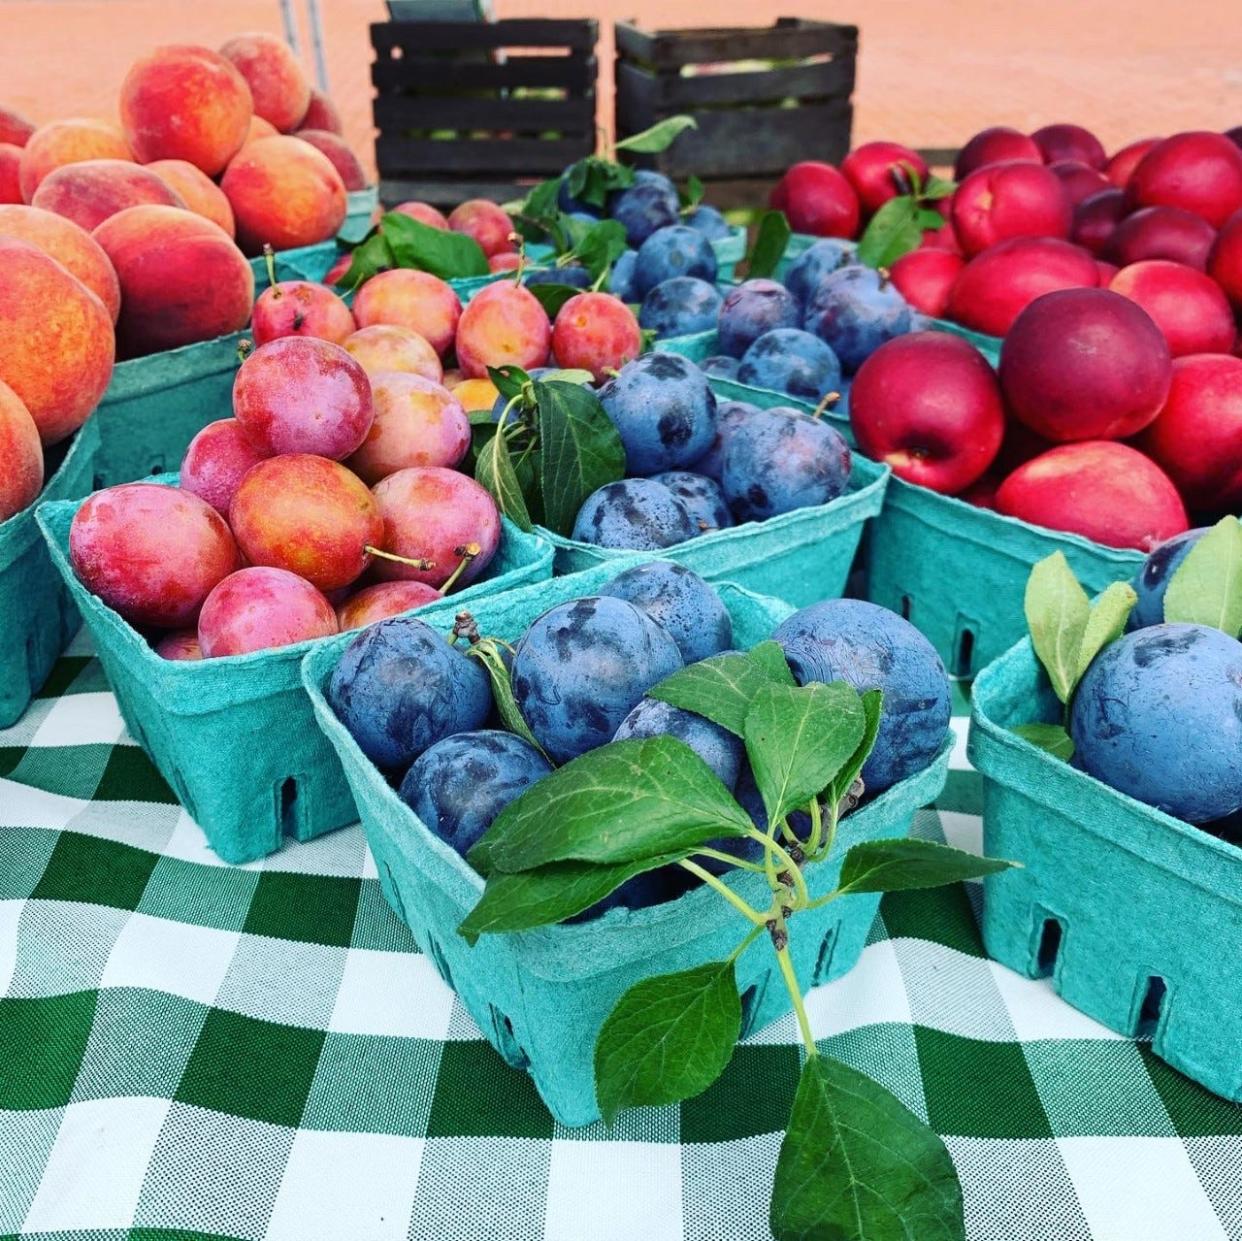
(384, 599)
(509, 261)
(258, 609)
(1069, 142)
(929, 405)
(1198, 171)
(817, 199)
(1106, 271)
(14, 128)
(10, 162)
(1019, 446)
(424, 213)
(322, 114)
(942, 238)
(877, 171)
(299, 394)
(1078, 180)
(181, 644)
(1122, 163)
(925, 276)
(502, 325)
(1096, 219)
(997, 285)
(339, 268)
(983, 493)
(998, 144)
(412, 299)
(218, 458)
(1224, 263)
(299, 308)
(151, 553)
(21, 452)
(339, 154)
(596, 332)
(1106, 492)
(1002, 201)
(417, 422)
(1162, 233)
(1186, 305)
(1197, 437)
(486, 223)
(1084, 364)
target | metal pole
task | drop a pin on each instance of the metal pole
(291, 26)
(316, 36)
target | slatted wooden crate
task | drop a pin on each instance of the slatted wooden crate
(480, 109)
(764, 98)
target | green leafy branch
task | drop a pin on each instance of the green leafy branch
(399, 241)
(897, 228)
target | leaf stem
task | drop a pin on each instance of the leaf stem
(795, 994)
(720, 856)
(817, 827)
(751, 935)
(736, 901)
(770, 845)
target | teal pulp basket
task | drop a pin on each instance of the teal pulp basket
(540, 996)
(37, 615)
(360, 209)
(235, 737)
(1135, 915)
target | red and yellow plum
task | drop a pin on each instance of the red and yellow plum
(382, 600)
(217, 460)
(417, 422)
(260, 608)
(596, 332)
(416, 300)
(504, 325)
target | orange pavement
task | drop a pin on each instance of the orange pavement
(929, 74)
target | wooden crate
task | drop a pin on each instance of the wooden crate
(754, 120)
(480, 109)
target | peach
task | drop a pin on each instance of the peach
(1198, 171)
(1002, 201)
(72, 247)
(424, 213)
(996, 145)
(259, 609)
(59, 143)
(300, 308)
(879, 171)
(339, 155)
(57, 344)
(182, 278)
(96, 189)
(14, 128)
(1079, 181)
(474, 394)
(925, 276)
(1104, 491)
(1069, 142)
(1162, 233)
(387, 347)
(322, 114)
(1096, 219)
(151, 553)
(308, 515)
(417, 422)
(503, 325)
(1122, 163)
(284, 194)
(259, 128)
(596, 332)
(384, 599)
(10, 180)
(487, 223)
(197, 191)
(218, 458)
(1224, 263)
(413, 299)
(1186, 305)
(185, 102)
(278, 84)
(181, 644)
(435, 514)
(21, 480)
(299, 394)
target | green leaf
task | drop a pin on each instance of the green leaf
(1057, 609)
(769, 658)
(1050, 737)
(930, 218)
(549, 894)
(553, 296)
(720, 689)
(625, 801)
(771, 238)
(569, 374)
(599, 246)
(1105, 623)
(872, 705)
(855, 1165)
(894, 230)
(511, 381)
(937, 188)
(692, 194)
(667, 1039)
(369, 259)
(494, 470)
(1206, 589)
(580, 450)
(659, 137)
(900, 865)
(440, 251)
(490, 654)
(539, 210)
(798, 739)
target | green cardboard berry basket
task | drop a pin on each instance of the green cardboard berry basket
(37, 615)
(1135, 915)
(360, 210)
(235, 737)
(540, 996)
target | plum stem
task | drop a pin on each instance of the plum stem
(712, 882)
(465, 626)
(467, 552)
(520, 269)
(419, 563)
(269, 257)
(825, 403)
(244, 349)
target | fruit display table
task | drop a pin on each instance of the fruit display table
(191, 1048)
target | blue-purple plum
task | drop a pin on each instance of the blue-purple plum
(649, 204)
(729, 416)
(778, 460)
(791, 361)
(400, 687)
(814, 263)
(674, 251)
(583, 666)
(621, 278)
(855, 310)
(720, 365)
(708, 221)
(716, 746)
(700, 496)
(680, 307)
(1158, 716)
(459, 785)
(635, 513)
(1154, 575)
(872, 648)
(572, 274)
(682, 602)
(753, 308)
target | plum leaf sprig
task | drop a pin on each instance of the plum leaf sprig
(637, 805)
(1206, 588)
(897, 228)
(399, 241)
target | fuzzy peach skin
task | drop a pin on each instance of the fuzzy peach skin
(299, 394)
(59, 143)
(197, 191)
(384, 599)
(322, 114)
(181, 644)
(21, 453)
(278, 84)
(417, 422)
(15, 128)
(284, 194)
(300, 308)
(185, 102)
(339, 154)
(259, 128)
(258, 609)
(596, 332)
(71, 246)
(386, 347)
(216, 461)
(96, 189)
(10, 180)
(57, 344)
(152, 553)
(412, 299)
(309, 515)
(503, 325)
(182, 278)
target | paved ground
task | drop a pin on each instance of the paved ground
(930, 74)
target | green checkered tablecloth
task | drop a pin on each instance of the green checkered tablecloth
(189, 1049)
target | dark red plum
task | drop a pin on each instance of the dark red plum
(682, 602)
(700, 496)
(1079, 181)
(674, 251)
(1096, 219)
(1062, 142)
(1152, 580)
(1162, 233)
(817, 199)
(717, 747)
(879, 171)
(681, 306)
(791, 361)
(854, 311)
(750, 310)
(1186, 305)
(1002, 201)
(1198, 171)
(1122, 163)
(1225, 261)
(636, 513)
(596, 332)
(925, 278)
(993, 146)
